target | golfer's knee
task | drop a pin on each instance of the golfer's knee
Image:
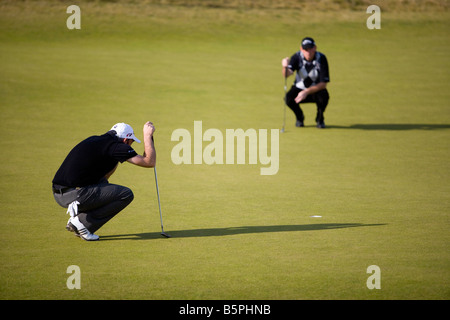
(127, 195)
(289, 100)
(322, 99)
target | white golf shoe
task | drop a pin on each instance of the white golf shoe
(80, 230)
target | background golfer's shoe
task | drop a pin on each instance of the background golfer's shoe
(299, 123)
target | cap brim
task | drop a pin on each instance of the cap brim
(135, 139)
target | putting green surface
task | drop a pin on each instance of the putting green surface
(377, 176)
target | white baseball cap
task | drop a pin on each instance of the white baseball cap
(124, 130)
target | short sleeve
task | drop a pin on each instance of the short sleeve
(123, 152)
(324, 72)
(294, 63)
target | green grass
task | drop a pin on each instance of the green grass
(377, 175)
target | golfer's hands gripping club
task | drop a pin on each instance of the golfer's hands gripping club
(286, 71)
(149, 129)
(149, 147)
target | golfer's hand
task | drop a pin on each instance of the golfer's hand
(285, 62)
(301, 96)
(149, 129)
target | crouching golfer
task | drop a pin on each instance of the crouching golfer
(81, 183)
(310, 81)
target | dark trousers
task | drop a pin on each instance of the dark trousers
(320, 98)
(98, 203)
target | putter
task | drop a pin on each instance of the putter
(285, 91)
(159, 205)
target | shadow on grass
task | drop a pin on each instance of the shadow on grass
(218, 232)
(393, 126)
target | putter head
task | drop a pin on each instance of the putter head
(282, 130)
(165, 235)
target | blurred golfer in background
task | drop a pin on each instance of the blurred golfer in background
(310, 81)
(81, 183)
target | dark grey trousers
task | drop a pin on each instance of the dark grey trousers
(98, 203)
(320, 98)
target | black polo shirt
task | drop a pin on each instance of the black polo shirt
(91, 160)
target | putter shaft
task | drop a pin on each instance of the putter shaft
(159, 206)
(284, 99)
